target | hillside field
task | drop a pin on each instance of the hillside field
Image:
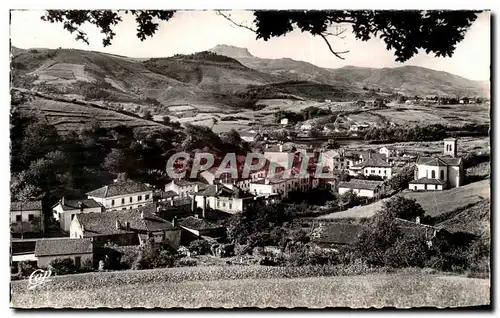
(400, 289)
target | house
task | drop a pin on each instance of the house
(80, 250)
(281, 154)
(195, 228)
(163, 196)
(306, 127)
(328, 234)
(250, 136)
(377, 167)
(184, 188)
(439, 172)
(229, 199)
(284, 121)
(464, 100)
(26, 217)
(122, 195)
(428, 232)
(131, 227)
(65, 210)
(333, 159)
(387, 151)
(363, 188)
(283, 183)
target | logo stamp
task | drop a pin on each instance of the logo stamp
(38, 277)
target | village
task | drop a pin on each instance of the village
(190, 212)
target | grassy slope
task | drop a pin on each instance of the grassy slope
(475, 220)
(374, 290)
(441, 202)
(434, 203)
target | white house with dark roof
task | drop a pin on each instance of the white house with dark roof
(130, 227)
(26, 217)
(184, 188)
(122, 195)
(376, 167)
(80, 250)
(65, 210)
(363, 188)
(439, 172)
(226, 198)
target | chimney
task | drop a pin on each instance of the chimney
(157, 209)
(127, 225)
(204, 206)
(417, 220)
(62, 201)
(142, 215)
(216, 187)
(174, 221)
(118, 225)
(281, 147)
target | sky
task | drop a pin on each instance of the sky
(194, 31)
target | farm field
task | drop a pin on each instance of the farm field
(403, 289)
(68, 117)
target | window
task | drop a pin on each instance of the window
(373, 170)
(230, 206)
(124, 209)
(31, 217)
(123, 200)
(139, 198)
(78, 261)
(433, 174)
(223, 204)
(379, 172)
(130, 200)
(112, 202)
(18, 218)
(415, 188)
(442, 175)
(146, 197)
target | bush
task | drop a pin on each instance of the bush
(186, 262)
(200, 247)
(26, 268)
(87, 266)
(62, 266)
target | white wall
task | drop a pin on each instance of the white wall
(130, 201)
(422, 187)
(24, 215)
(284, 159)
(66, 216)
(425, 171)
(385, 173)
(359, 192)
(454, 176)
(43, 261)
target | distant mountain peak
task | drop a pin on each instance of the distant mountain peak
(231, 51)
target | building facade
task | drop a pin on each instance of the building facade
(65, 210)
(120, 196)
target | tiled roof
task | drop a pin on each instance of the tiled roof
(165, 194)
(336, 233)
(276, 148)
(28, 205)
(439, 161)
(77, 204)
(361, 184)
(191, 222)
(451, 161)
(63, 246)
(119, 188)
(375, 162)
(105, 223)
(188, 183)
(428, 181)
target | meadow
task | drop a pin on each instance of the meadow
(252, 286)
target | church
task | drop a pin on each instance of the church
(439, 172)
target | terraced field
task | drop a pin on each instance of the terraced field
(67, 117)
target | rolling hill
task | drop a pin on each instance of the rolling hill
(410, 80)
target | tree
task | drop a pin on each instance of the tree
(405, 32)
(231, 137)
(147, 115)
(404, 208)
(400, 180)
(332, 144)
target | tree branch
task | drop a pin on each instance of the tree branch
(218, 12)
(337, 54)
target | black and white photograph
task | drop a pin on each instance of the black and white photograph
(250, 158)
